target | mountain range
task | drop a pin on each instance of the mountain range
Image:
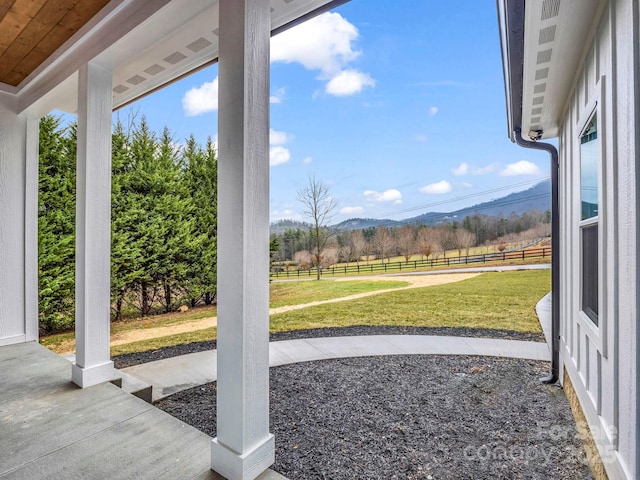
(537, 197)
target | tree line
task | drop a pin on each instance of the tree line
(163, 229)
(297, 246)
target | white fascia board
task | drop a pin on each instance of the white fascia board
(506, 64)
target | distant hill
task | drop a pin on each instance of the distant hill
(360, 223)
(537, 197)
(282, 225)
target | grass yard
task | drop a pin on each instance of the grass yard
(298, 293)
(492, 300)
(281, 294)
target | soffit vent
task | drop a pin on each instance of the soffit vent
(175, 57)
(542, 73)
(540, 88)
(535, 120)
(154, 69)
(547, 35)
(136, 79)
(544, 56)
(536, 111)
(538, 101)
(198, 45)
(550, 9)
(120, 89)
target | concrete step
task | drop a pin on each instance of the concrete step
(126, 382)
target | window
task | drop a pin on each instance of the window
(589, 180)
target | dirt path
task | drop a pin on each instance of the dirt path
(415, 281)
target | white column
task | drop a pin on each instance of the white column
(31, 229)
(93, 224)
(244, 448)
(13, 140)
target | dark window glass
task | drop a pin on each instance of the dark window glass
(590, 272)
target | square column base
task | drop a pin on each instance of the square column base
(249, 466)
(87, 376)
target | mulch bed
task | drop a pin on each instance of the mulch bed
(129, 359)
(411, 417)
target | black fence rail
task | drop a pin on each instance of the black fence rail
(278, 271)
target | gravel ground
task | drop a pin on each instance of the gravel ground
(129, 359)
(411, 417)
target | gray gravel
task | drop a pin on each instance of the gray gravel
(129, 359)
(411, 417)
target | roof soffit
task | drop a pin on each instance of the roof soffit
(556, 39)
(157, 47)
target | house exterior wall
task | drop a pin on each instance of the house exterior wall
(18, 224)
(601, 360)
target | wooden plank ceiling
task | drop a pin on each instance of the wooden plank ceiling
(32, 30)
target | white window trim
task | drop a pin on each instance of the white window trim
(596, 333)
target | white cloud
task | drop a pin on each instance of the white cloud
(419, 137)
(277, 96)
(286, 214)
(433, 111)
(391, 195)
(522, 167)
(465, 169)
(277, 138)
(323, 43)
(201, 99)
(348, 82)
(484, 170)
(307, 160)
(461, 169)
(466, 184)
(278, 155)
(437, 188)
(351, 210)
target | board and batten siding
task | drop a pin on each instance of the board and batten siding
(18, 224)
(601, 360)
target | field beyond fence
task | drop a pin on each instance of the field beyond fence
(416, 265)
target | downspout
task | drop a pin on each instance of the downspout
(555, 253)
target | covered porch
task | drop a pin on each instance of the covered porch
(90, 58)
(52, 429)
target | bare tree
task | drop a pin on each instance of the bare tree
(329, 256)
(425, 242)
(466, 239)
(303, 259)
(383, 242)
(359, 244)
(446, 240)
(406, 241)
(319, 207)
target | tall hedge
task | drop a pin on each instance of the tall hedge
(163, 222)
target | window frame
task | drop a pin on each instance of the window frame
(595, 331)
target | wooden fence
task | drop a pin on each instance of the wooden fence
(413, 265)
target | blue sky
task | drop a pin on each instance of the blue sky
(399, 110)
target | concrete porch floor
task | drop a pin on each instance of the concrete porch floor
(51, 429)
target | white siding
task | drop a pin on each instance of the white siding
(13, 129)
(601, 361)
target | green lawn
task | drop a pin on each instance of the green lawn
(492, 300)
(297, 293)
(281, 294)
